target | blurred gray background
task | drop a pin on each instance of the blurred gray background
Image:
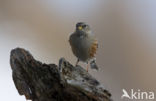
(126, 30)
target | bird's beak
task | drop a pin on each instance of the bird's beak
(80, 27)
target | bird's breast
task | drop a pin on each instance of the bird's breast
(81, 46)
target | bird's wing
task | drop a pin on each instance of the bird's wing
(70, 38)
(93, 48)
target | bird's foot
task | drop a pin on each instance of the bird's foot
(87, 67)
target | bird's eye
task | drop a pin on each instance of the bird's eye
(84, 26)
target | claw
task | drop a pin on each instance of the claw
(77, 62)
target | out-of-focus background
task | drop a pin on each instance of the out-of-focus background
(126, 30)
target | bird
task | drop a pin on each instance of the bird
(84, 45)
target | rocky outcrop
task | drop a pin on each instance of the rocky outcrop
(49, 82)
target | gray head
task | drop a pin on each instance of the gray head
(81, 26)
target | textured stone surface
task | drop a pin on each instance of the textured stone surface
(49, 82)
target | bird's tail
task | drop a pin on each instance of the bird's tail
(93, 65)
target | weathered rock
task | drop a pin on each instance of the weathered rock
(49, 82)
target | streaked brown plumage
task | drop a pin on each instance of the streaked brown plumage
(93, 49)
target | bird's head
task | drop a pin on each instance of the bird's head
(81, 26)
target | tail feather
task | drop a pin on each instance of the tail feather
(93, 65)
